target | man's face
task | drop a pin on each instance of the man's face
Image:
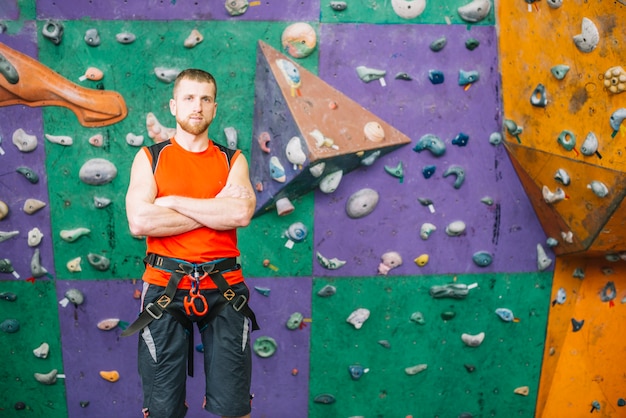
(194, 105)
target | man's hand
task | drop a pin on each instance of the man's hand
(234, 190)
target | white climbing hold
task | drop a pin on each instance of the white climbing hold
(358, 317)
(588, 39)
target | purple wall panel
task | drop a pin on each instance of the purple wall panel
(14, 187)
(9, 10)
(176, 10)
(508, 229)
(88, 350)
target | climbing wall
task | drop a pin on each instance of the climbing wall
(353, 314)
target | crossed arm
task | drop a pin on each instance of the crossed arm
(148, 215)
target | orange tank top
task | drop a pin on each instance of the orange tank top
(198, 175)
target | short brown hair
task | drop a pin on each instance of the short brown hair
(195, 75)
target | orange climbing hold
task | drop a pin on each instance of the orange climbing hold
(111, 376)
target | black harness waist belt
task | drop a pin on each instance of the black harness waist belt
(179, 269)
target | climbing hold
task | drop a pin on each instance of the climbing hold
(588, 39)
(8, 296)
(561, 296)
(468, 77)
(358, 317)
(426, 229)
(75, 296)
(265, 291)
(36, 269)
(265, 346)
(92, 37)
(53, 31)
(418, 318)
(474, 11)
(110, 375)
(543, 261)
(97, 171)
(47, 378)
(482, 258)
(538, 97)
(5, 235)
(42, 351)
(7, 267)
(577, 325)
(293, 151)
(505, 314)
(559, 71)
(34, 237)
(99, 262)
(621, 402)
(617, 118)
(422, 260)
(125, 37)
(568, 236)
(458, 172)
(551, 242)
(362, 203)
(71, 235)
(448, 315)
(93, 74)
(4, 210)
(156, 130)
(455, 228)
(236, 7)
(413, 370)
(408, 9)
(428, 171)
(331, 181)
(369, 74)
(330, 264)
(589, 145)
(84, 404)
(297, 232)
(19, 406)
(431, 143)
(166, 75)
(522, 390)
(470, 368)
(615, 80)
(397, 171)
(33, 205)
(193, 39)
(555, 4)
(473, 340)
(327, 290)
(96, 140)
(10, 326)
(284, 206)
(325, 398)
(374, 131)
(608, 292)
(460, 140)
(487, 200)
(552, 197)
(451, 290)
(338, 6)
(384, 343)
(403, 76)
(299, 39)
(28, 173)
(357, 371)
(134, 140)
(438, 44)
(108, 324)
(598, 188)
(295, 320)
(472, 43)
(562, 176)
(101, 202)
(389, 260)
(513, 129)
(436, 76)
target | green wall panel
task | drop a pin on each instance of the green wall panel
(509, 357)
(36, 310)
(229, 52)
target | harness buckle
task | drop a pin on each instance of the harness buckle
(239, 303)
(156, 315)
(163, 301)
(229, 294)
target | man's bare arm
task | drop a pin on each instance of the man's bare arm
(231, 208)
(145, 218)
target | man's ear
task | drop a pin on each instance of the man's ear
(173, 107)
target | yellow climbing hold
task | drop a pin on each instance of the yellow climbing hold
(422, 260)
(111, 376)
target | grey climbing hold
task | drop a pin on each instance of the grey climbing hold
(588, 39)
(99, 262)
(452, 290)
(92, 37)
(36, 269)
(475, 11)
(327, 290)
(338, 6)
(538, 98)
(53, 31)
(438, 44)
(10, 326)
(362, 203)
(8, 70)
(369, 74)
(295, 321)
(324, 398)
(97, 171)
(101, 202)
(75, 296)
(125, 37)
(47, 378)
(28, 173)
(559, 71)
(458, 172)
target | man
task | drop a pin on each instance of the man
(188, 195)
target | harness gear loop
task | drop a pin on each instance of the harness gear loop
(189, 303)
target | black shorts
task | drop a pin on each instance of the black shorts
(163, 352)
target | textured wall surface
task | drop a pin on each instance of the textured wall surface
(313, 362)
